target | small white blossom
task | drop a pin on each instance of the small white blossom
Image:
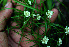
(24, 22)
(34, 15)
(67, 30)
(60, 42)
(48, 46)
(49, 13)
(38, 17)
(26, 13)
(29, 2)
(45, 40)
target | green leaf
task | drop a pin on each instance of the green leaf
(49, 4)
(1, 1)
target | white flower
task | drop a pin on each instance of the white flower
(45, 40)
(49, 13)
(26, 13)
(60, 42)
(67, 30)
(34, 15)
(38, 17)
(48, 46)
(29, 2)
(25, 22)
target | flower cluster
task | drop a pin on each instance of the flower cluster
(59, 42)
(49, 13)
(45, 40)
(38, 16)
(27, 14)
(67, 30)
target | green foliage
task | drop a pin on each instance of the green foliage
(49, 4)
(55, 29)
